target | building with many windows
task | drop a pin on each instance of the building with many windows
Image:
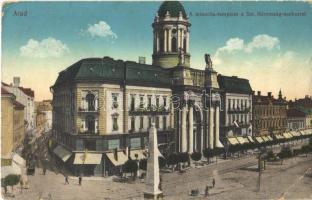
(269, 114)
(236, 101)
(103, 108)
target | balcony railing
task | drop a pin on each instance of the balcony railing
(160, 110)
(88, 110)
(87, 132)
(239, 110)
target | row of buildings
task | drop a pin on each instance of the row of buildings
(103, 108)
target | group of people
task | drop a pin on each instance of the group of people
(67, 182)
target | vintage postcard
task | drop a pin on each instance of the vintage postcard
(156, 100)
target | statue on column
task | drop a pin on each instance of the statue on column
(181, 56)
(208, 61)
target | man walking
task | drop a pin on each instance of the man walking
(66, 179)
(213, 182)
(44, 170)
(206, 191)
(80, 179)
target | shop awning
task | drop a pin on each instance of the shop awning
(246, 140)
(270, 138)
(232, 140)
(265, 138)
(250, 139)
(259, 139)
(279, 137)
(240, 140)
(139, 153)
(120, 160)
(62, 153)
(87, 158)
(295, 133)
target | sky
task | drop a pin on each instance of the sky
(40, 39)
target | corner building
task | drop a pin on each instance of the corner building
(103, 108)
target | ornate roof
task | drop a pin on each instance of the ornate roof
(114, 71)
(174, 7)
(233, 84)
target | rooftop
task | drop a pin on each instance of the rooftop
(233, 84)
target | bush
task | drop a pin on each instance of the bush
(270, 155)
(196, 156)
(161, 162)
(305, 149)
(172, 159)
(285, 153)
(208, 153)
(130, 166)
(11, 180)
(183, 157)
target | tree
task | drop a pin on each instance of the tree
(11, 180)
(196, 156)
(208, 153)
(172, 160)
(270, 155)
(143, 164)
(305, 149)
(284, 153)
(130, 167)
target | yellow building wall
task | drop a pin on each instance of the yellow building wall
(6, 126)
(18, 127)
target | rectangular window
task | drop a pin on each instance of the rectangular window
(135, 142)
(149, 101)
(115, 123)
(164, 122)
(141, 101)
(132, 105)
(229, 104)
(132, 123)
(79, 145)
(157, 122)
(90, 145)
(114, 100)
(113, 144)
(141, 122)
(157, 102)
(149, 122)
(165, 101)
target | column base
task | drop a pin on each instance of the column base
(156, 196)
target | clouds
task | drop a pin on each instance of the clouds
(262, 41)
(101, 29)
(49, 47)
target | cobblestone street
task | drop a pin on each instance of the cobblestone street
(235, 179)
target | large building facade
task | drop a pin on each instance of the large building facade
(269, 114)
(103, 108)
(236, 114)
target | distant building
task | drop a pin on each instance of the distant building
(43, 112)
(236, 104)
(25, 96)
(296, 119)
(300, 107)
(269, 114)
(12, 123)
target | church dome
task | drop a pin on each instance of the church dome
(174, 7)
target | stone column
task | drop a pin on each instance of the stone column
(211, 127)
(187, 42)
(218, 143)
(183, 131)
(169, 40)
(190, 150)
(157, 42)
(165, 40)
(152, 170)
(182, 38)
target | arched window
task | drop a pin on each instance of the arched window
(173, 44)
(90, 124)
(184, 44)
(90, 98)
(161, 42)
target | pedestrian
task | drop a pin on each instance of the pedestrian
(80, 179)
(207, 191)
(66, 179)
(44, 170)
(213, 182)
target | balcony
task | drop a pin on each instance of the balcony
(87, 132)
(239, 110)
(150, 110)
(88, 110)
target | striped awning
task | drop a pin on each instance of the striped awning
(87, 158)
(259, 139)
(240, 140)
(62, 153)
(139, 153)
(117, 160)
(246, 140)
(250, 139)
(232, 140)
(270, 138)
(265, 138)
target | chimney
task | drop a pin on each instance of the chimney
(16, 81)
(270, 94)
(141, 60)
(259, 93)
(253, 93)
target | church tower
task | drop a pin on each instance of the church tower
(171, 35)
